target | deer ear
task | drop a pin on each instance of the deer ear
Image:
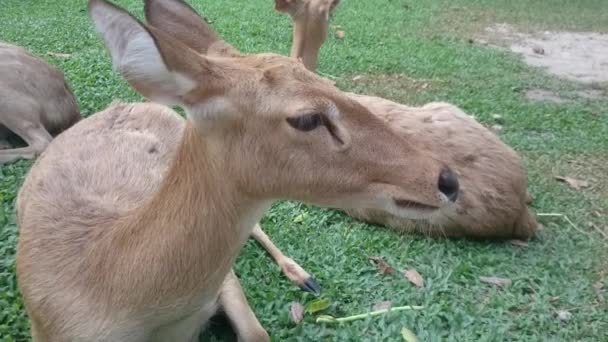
(180, 21)
(287, 6)
(137, 55)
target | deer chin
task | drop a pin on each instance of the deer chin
(410, 209)
(388, 198)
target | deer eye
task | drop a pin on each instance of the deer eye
(307, 122)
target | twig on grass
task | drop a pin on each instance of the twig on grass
(573, 225)
(331, 319)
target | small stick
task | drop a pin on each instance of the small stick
(330, 319)
(569, 221)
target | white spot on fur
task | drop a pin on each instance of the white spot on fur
(332, 111)
(214, 108)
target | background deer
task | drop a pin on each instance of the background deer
(493, 199)
(35, 102)
(131, 220)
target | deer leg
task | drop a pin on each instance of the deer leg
(233, 302)
(31, 130)
(290, 268)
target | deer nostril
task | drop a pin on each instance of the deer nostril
(448, 184)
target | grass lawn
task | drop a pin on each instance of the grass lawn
(413, 52)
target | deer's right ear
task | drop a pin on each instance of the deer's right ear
(138, 54)
(287, 6)
(180, 21)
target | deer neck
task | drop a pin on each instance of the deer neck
(189, 234)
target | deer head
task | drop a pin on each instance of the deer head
(278, 130)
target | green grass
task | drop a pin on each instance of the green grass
(397, 45)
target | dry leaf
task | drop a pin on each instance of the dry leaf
(358, 77)
(519, 243)
(498, 118)
(564, 315)
(59, 55)
(408, 335)
(576, 184)
(500, 282)
(297, 312)
(538, 50)
(382, 305)
(496, 128)
(340, 34)
(414, 277)
(317, 305)
(381, 264)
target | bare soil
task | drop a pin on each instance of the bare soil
(576, 56)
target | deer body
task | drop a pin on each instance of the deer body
(493, 200)
(131, 220)
(152, 287)
(35, 102)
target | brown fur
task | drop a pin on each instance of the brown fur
(493, 198)
(130, 220)
(35, 102)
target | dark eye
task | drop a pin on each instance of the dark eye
(306, 122)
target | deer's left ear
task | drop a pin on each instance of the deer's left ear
(180, 21)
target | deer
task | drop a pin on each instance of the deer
(493, 199)
(130, 221)
(36, 102)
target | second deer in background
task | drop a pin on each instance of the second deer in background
(35, 102)
(493, 199)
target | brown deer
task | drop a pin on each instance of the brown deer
(493, 198)
(130, 221)
(35, 102)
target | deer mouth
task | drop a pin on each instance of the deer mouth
(407, 204)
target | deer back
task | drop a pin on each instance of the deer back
(32, 88)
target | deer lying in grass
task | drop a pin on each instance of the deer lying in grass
(130, 220)
(493, 198)
(35, 102)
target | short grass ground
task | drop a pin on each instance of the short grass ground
(413, 52)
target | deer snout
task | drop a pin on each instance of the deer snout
(448, 184)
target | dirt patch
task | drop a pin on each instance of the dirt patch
(577, 56)
(542, 95)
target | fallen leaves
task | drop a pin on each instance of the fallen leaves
(498, 118)
(519, 243)
(538, 50)
(297, 312)
(411, 274)
(317, 305)
(564, 315)
(382, 265)
(576, 184)
(414, 277)
(408, 335)
(382, 305)
(340, 34)
(496, 128)
(500, 282)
